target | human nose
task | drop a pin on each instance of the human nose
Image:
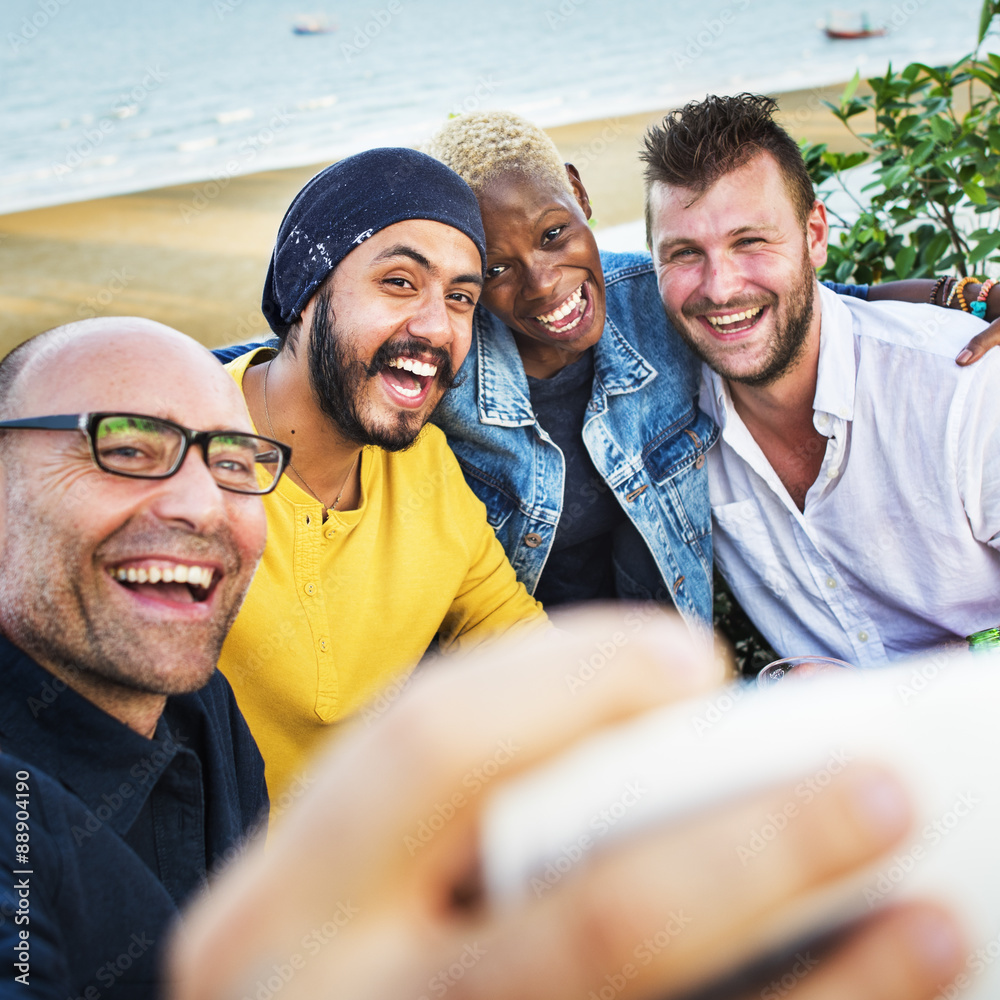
(540, 281)
(190, 496)
(721, 280)
(431, 321)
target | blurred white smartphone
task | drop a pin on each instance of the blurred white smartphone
(935, 720)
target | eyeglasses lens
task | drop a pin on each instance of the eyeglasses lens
(146, 447)
(136, 446)
(243, 462)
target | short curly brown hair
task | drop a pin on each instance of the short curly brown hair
(695, 146)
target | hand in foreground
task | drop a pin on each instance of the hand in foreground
(368, 890)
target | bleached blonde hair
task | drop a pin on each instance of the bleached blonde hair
(482, 145)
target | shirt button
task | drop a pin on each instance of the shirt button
(331, 533)
(324, 645)
(830, 582)
(843, 412)
(310, 589)
(532, 540)
(832, 472)
(863, 636)
(822, 420)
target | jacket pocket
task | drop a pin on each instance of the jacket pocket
(680, 447)
(500, 504)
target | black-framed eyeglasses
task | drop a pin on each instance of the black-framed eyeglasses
(144, 447)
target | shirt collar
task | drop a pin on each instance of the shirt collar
(502, 395)
(108, 766)
(836, 375)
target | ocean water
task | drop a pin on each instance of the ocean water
(102, 97)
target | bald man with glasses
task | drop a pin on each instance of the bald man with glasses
(130, 527)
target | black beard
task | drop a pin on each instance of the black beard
(789, 340)
(337, 376)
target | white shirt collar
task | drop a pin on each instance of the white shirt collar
(837, 373)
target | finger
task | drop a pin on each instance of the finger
(466, 725)
(980, 344)
(359, 832)
(908, 953)
(670, 911)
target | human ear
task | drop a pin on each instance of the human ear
(817, 234)
(579, 191)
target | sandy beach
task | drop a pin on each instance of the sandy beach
(194, 256)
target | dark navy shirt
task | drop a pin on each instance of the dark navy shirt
(579, 566)
(122, 829)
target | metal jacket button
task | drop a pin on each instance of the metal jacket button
(532, 540)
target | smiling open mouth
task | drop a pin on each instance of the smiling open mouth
(175, 583)
(409, 377)
(735, 322)
(567, 315)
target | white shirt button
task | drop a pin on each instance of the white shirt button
(822, 420)
(830, 582)
(863, 636)
(832, 472)
(843, 412)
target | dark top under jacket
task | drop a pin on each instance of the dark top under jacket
(120, 829)
(579, 567)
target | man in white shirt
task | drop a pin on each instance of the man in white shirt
(856, 485)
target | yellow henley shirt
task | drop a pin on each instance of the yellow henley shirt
(340, 609)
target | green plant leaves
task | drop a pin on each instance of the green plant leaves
(933, 202)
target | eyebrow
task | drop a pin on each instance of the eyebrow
(402, 250)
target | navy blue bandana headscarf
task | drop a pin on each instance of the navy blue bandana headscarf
(344, 205)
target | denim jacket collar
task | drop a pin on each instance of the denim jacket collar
(502, 395)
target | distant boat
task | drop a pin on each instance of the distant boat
(846, 26)
(865, 33)
(307, 24)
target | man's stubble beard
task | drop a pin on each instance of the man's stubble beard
(786, 346)
(45, 612)
(338, 378)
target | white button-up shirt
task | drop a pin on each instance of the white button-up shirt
(898, 547)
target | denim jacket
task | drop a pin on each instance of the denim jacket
(643, 431)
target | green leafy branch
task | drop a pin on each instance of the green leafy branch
(934, 202)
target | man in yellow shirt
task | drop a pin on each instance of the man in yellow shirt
(376, 546)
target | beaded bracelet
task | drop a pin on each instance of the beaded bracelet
(979, 306)
(970, 280)
(933, 297)
(949, 291)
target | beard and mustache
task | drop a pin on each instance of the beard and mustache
(339, 377)
(786, 345)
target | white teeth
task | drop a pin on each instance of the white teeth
(562, 329)
(198, 576)
(564, 310)
(411, 365)
(733, 317)
(408, 392)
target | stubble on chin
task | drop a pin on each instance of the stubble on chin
(56, 605)
(791, 317)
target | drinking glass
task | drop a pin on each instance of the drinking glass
(799, 666)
